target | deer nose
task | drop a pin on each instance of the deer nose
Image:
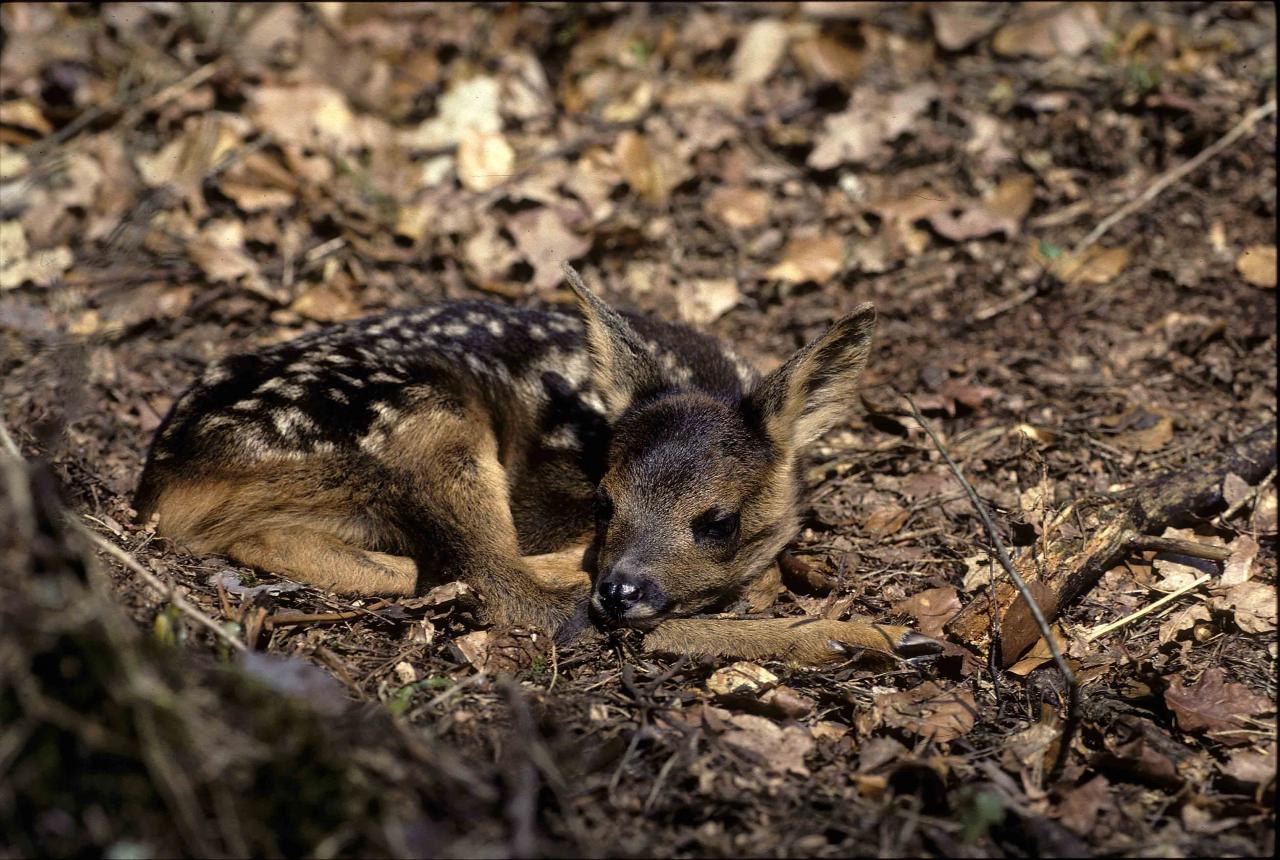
(622, 589)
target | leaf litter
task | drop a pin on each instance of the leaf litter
(248, 177)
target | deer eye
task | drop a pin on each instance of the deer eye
(603, 506)
(715, 526)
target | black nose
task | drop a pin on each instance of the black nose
(621, 589)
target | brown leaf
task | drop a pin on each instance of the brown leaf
(779, 749)
(312, 116)
(1252, 604)
(1155, 435)
(741, 677)
(1213, 705)
(885, 521)
(928, 711)
(956, 26)
(1251, 767)
(759, 51)
(1257, 265)
(705, 300)
(871, 121)
(641, 169)
(1069, 29)
(485, 160)
(327, 302)
(1079, 809)
(815, 258)
(931, 608)
(826, 59)
(545, 242)
(736, 207)
(1181, 621)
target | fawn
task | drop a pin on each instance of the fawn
(593, 466)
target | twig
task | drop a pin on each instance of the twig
(10, 446)
(1170, 177)
(1104, 629)
(1068, 677)
(168, 591)
(1191, 548)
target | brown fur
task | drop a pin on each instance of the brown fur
(385, 456)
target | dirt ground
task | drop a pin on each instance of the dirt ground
(183, 182)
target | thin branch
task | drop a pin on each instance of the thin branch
(1102, 630)
(167, 591)
(1170, 177)
(1068, 677)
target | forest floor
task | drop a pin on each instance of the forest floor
(186, 181)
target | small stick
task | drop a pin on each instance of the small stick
(1170, 177)
(285, 619)
(1104, 629)
(1068, 677)
(1179, 546)
(154, 581)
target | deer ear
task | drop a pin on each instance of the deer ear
(807, 395)
(622, 367)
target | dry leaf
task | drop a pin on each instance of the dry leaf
(781, 750)
(327, 303)
(929, 711)
(1257, 265)
(885, 521)
(545, 243)
(641, 168)
(1222, 709)
(311, 116)
(470, 105)
(931, 608)
(1238, 567)
(1181, 621)
(1251, 767)
(705, 300)
(1040, 653)
(219, 251)
(1148, 439)
(19, 265)
(405, 672)
(826, 59)
(736, 207)
(1079, 809)
(872, 119)
(956, 26)
(485, 160)
(741, 678)
(1069, 29)
(759, 52)
(815, 258)
(1253, 605)
(1096, 266)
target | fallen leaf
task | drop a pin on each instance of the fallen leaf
(814, 258)
(219, 250)
(1251, 767)
(469, 105)
(1040, 653)
(485, 160)
(327, 303)
(736, 207)
(1215, 706)
(1079, 808)
(759, 52)
(545, 243)
(405, 672)
(641, 168)
(826, 59)
(21, 113)
(1238, 567)
(1096, 266)
(1069, 29)
(705, 300)
(956, 26)
(870, 122)
(741, 677)
(931, 608)
(1183, 620)
(20, 265)
(1257, 265)
(1252, 604)
(929, 711)
(779, 749)
(310, 116)
(1148, 439)
(787, 702)
(885, 521)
